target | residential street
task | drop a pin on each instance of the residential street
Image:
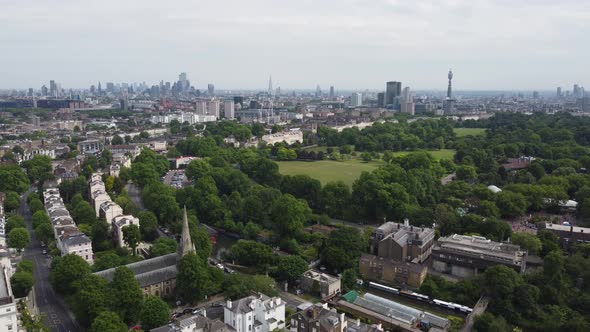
(49, 304)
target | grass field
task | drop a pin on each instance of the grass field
(460, 132)
(437, 154)
(328, 170)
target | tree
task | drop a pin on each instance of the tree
(366, 157)
(290, 268)
(106, 260)
(527, 241)
(66, 270)
(89, 299)
(39, 218)
(39, 168)
(511, 204)
(22, 283)
(18, 238)
(15, 221)
(343, 249)
(12, 178)
(155, 313)
(44, 232)
(148, 225)
(125, 295)
(335, 198)
(487, 322)
(237, 285)
(108, 321)
(117, 140)
(193, 282)
(349, 278)
(83, 213)
(466, 173)
(162, 246)
(251, 253)
(289, 215)
(131, 236)
(12, 201)
(36, 205)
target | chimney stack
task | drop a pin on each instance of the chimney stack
(406, 222)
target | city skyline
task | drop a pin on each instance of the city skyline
(492, 45)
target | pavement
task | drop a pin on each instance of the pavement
(56, 315)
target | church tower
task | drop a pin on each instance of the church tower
(186, 244)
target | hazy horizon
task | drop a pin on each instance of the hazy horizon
(491, 45)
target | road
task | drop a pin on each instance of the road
(56, 315)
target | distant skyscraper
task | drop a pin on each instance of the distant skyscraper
(576, 91)
(536, 94)
(393, 89)
(318, 91)
(559, 92)
(381, 99)
(270, 90)
(99, 88)
(201, 107)
(331, 92)
(356, 99)
(183, 83)
(44, 90)
(213, 108)
(407, 101)
(211, 89)
(52, 88)
(229, 109)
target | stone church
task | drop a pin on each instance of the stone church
(157, 276)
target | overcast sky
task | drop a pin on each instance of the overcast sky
(351, 44)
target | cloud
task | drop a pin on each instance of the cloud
(346, 43)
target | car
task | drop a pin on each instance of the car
(220, 266)
(197, 311)
(44, 252)
(187, 311)
(228, 270)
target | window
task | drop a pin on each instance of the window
(7, 309)
(9, 327)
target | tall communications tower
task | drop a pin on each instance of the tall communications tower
(449, 89)
(449, 101)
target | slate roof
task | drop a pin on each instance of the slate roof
(149, 271)
(77, 239)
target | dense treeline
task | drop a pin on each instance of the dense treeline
(389, 136)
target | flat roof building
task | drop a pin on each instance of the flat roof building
(327, 285)
(466, 256)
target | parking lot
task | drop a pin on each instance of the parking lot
(176, 178)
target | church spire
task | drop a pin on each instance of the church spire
(186, 244)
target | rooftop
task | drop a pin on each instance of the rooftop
(149, 271)
(479, 246)
(566, 228)
(403, 233)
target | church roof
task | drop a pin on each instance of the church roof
(150, 271)
(158, 269)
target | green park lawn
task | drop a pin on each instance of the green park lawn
(461, 132)
(328, 170)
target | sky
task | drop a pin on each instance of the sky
(350, 44)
